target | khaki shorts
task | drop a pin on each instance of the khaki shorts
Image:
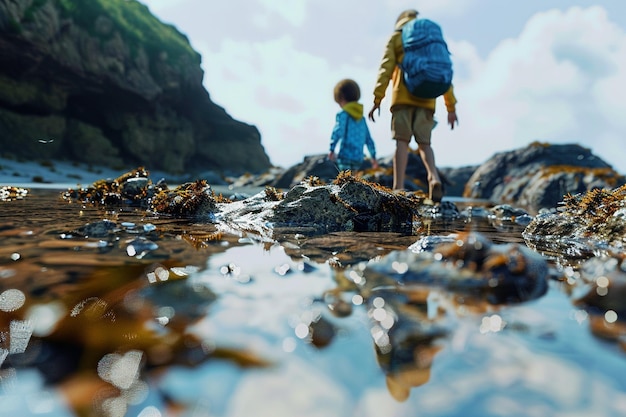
(411, 121)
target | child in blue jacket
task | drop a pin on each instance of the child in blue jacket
(350, 129)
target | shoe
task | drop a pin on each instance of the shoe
(435, 192)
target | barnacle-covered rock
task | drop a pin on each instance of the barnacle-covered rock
(348, 204)
(133, 188)
(189, 200)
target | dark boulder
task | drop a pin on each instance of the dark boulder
(455, 179)
(540, 175)
(318, 166)
(416, 177)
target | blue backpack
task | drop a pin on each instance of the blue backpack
(426, 65)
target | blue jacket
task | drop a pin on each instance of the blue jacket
(352, 133)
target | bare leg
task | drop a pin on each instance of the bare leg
(428, 158)
(400, 159)
(434, 182)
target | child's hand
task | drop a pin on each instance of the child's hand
(374, 163)
(331, 156)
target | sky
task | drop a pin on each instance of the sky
(535, 70)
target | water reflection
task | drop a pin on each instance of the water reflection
(407, 332)
(195, 321)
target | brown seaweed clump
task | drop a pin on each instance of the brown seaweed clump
(585, 223)
(596, 205)
(133, 188)
(189, 200)
(9, 193)
(273, 194)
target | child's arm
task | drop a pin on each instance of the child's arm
(371, 147)
(338, 131)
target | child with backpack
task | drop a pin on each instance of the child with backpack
(350, 129)
(413, 115)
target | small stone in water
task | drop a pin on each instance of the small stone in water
(139, 247)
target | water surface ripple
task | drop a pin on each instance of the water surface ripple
(117, 313)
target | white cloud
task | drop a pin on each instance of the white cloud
(560, 77)
(435, 9)
(293, 11)
(285, 92)
(558, 81)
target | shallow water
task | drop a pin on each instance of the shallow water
(178, 318)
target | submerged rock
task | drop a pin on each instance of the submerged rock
(601, 286)
(472, 266)
(413, 295)
(598, 289)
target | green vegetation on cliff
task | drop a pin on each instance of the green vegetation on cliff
(135, 23)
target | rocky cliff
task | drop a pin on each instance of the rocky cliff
(104, 82)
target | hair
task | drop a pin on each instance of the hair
(347, 90)
(407, 15)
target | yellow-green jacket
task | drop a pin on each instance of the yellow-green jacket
(389, 70)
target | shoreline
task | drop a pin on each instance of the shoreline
(62, 175)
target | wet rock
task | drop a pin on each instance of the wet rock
(140, 246)
(506, 211)
(322, 332)
(349, 204)
(601, 286)
(189, 200)
(318, 166)
(416, 176)
(456, 179)
(587, 223)
(133, 188)
(598, 288)
(100, 229)
(430, 242)
(446, 210)
(471, 265)
(539, 175)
